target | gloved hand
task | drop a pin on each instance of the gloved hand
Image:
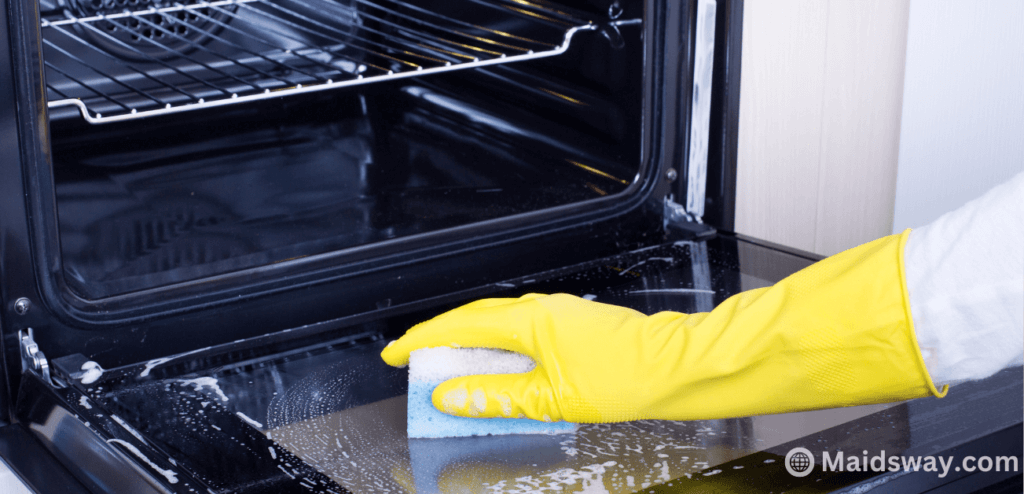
(837, 333)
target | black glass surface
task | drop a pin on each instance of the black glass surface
(329, 416)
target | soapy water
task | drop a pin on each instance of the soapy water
(324, 422)
(589, 479)
(219, 432)
(201, 383)
(127, 427)
(365, 448)
(213, 444)
(152, 364)
(171, 477)
(319, 419)
(318, 422)
(323, 425)
(319, 416)
(249, 420)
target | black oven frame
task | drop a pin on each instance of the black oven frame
(307, 294)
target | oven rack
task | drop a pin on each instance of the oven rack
(253, 50)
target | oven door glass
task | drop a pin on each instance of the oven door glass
(330, 416)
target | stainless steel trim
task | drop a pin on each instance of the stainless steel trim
(700, 117)
(10, 483)
(32, 358)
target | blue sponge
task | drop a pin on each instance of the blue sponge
(429, 367)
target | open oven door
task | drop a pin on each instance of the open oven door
(319, 411)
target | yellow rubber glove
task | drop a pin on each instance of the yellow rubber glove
(837, 333)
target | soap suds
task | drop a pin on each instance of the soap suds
(127, 427)
(506, 405)
(479, 402)
(455, 400)
(151, 364)
(249, 420)
(91, 372)
(205, 382)
(84, 402)
(286, 472)
(441, 364)
(590, 478)
(430, 367)
(160, 361)
(168, 474)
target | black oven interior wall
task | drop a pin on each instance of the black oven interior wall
(174, 198)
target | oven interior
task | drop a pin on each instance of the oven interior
(191, 140)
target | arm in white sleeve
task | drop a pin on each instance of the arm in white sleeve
(965, 280)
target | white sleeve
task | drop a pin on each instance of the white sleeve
(965, 280)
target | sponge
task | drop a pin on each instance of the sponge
(429, 367)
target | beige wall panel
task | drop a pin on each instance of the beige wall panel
(860, 126)
(780, 119)
(820, 103)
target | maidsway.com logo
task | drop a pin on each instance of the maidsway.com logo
(800, 462)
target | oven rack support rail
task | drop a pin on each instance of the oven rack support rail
(405, 41)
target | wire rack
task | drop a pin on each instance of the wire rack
(187, 56)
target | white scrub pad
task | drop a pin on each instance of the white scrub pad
(429, 367)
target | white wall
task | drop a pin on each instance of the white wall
(820, 101)
(963, 105)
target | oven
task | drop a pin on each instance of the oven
(214, 214)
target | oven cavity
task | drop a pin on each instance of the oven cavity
(274, 174)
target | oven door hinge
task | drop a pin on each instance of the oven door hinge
(33, 359)
(678, 221)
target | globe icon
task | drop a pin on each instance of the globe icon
(799, 462)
